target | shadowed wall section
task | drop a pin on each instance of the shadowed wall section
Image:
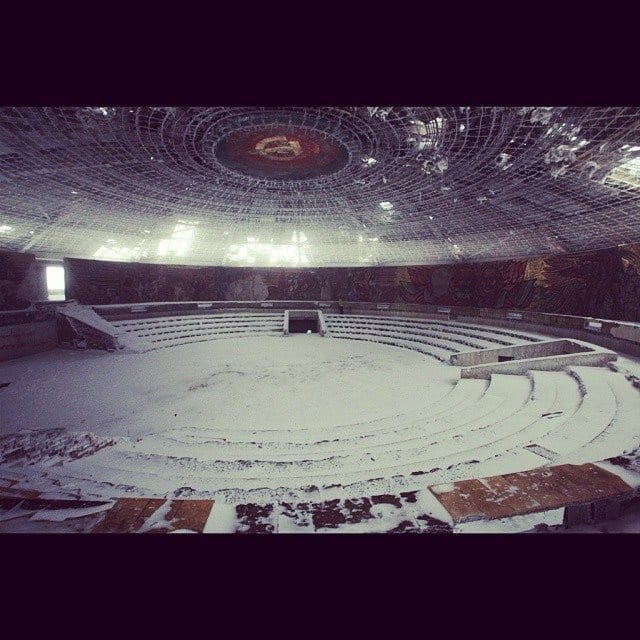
(603, 283)
(22, 280)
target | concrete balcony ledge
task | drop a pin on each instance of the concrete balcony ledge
(552, 355)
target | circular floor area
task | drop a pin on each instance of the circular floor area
(198, 415)
(234, 385)
(268, 417)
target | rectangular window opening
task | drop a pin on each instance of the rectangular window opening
(55, 282)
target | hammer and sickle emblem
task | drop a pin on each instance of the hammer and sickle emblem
(278, 148)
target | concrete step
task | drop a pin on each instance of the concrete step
(502, 333)
(445, 332)
(622, 434)
(412, 345)
(551, 421)
(594, 415)
(445, 339)
(463, 395)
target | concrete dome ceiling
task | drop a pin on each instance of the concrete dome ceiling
(317, 186)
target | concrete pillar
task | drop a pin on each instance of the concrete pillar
(578, 514)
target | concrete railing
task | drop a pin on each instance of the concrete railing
(518, 352)
(157, 309)
(599, 358)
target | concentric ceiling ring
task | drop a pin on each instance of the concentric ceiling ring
(366, 185)
(281, 153)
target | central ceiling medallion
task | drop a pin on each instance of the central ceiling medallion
(287, 152)
(278, 148)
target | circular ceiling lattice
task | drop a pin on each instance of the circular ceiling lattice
(318, 186)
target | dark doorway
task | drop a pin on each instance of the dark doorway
(302, 325)
(504, 358)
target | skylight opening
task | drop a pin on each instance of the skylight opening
(120, 254)
(298, 237)
(253, 251)
(179, 241)
(627, 173)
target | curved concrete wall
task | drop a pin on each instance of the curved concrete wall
(602, 283)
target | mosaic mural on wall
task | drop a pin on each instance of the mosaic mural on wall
(603, 283)
(102, 282)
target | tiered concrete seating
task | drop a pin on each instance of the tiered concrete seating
(473, 430)
(607, 422)
(432, 337)
(153, 333)
(424, 327)
(555, 398)
(470, 428)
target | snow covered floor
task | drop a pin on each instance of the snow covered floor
(245, 384)
(260, 419)
(69, 417)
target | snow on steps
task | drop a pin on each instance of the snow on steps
(555, 398)
(391, 440)
(448, 333)
(491, 440)
(430, 348)
(498, 336)
(568, 399)
(154, 324)
(434, 332)
(514, 423)
(462, 396)
(435, 339)
(432, 338)
(443, 344)
(596, 414)
(153, 333)
(621, 428)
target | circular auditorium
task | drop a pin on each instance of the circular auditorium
(319, 320)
